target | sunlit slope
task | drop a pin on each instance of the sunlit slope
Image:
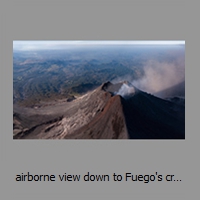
(103, 114)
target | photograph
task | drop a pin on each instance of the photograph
(99, 89)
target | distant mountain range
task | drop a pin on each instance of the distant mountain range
(176, 90)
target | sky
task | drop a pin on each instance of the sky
(50, 44)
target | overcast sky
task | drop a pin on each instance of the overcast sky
(48, 44)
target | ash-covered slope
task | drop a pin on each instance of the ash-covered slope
(96, 115)
(149, 117)
(108, 123)
(112, 111)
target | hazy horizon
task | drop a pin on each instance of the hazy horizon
(45, 45)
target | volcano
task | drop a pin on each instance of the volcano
(112, 111)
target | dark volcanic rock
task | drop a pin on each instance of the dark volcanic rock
(70, 99)
(101, 114)
(149, 117)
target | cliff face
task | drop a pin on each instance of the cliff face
(103, 114)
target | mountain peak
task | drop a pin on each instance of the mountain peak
(123, 88)
(113, 111)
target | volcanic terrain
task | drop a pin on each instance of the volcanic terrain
(112, 111)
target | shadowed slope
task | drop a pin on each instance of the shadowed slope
(149, 117)
(101, 114)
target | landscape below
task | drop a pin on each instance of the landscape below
(66, 94)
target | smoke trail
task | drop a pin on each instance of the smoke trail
(126, 90)
(159, 76)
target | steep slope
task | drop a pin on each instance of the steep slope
(109, 123)
(112, 111)
(149, 117)
(94, 115)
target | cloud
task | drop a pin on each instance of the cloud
(158, 76)
(126, 90)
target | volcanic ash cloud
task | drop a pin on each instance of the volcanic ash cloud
(160, 76)
(126, 90)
